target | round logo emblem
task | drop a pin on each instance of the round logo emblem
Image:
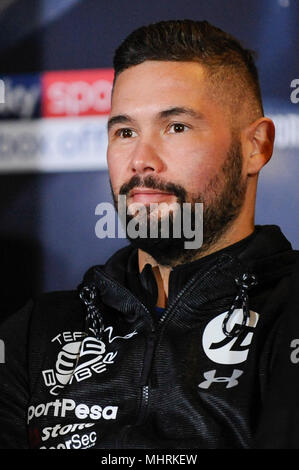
(223, 349)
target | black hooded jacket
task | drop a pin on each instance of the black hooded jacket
(98, 368)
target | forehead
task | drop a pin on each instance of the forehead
(154, 85)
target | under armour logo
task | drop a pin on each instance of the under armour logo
(210, 378)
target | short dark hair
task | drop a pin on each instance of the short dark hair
(223, 56)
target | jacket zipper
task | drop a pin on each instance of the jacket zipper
(152, 343)
(144, 403)
(153, 340)
(146, 386)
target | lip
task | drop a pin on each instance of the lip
(148, 195)
(147, 191)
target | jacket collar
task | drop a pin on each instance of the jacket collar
(266, 253)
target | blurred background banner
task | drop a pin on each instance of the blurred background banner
(40, 129)
(56, 77)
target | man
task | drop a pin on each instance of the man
(166, 346)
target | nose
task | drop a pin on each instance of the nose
(146, 159)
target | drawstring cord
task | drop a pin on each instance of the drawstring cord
(244, 282)
(88, 294)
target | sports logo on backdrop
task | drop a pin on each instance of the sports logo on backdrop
(77, 92)
(22, 97)
(79, 360)
(229, 350)
(68, 132)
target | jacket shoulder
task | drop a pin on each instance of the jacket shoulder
(57, 310)
(57, 301)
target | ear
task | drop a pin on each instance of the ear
(258, 141)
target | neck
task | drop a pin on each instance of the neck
(162, 273)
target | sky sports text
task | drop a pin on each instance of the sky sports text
(2, 352)
(2, 92)
(155, 220)
(57, 94)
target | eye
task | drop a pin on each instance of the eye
(126, 133)
(177, 128)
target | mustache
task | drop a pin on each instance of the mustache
(154, 183)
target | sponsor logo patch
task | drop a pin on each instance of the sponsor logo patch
(67, 406)
(78, 359)
(226, 350)
(210, 377)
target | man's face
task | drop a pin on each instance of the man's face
(169, 142)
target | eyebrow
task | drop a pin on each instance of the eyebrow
(175, 111)
(119, 119)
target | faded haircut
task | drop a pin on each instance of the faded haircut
(230, 68)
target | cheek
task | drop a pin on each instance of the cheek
(195, 167)
(115, 169)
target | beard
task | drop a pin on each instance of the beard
(222, 198)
